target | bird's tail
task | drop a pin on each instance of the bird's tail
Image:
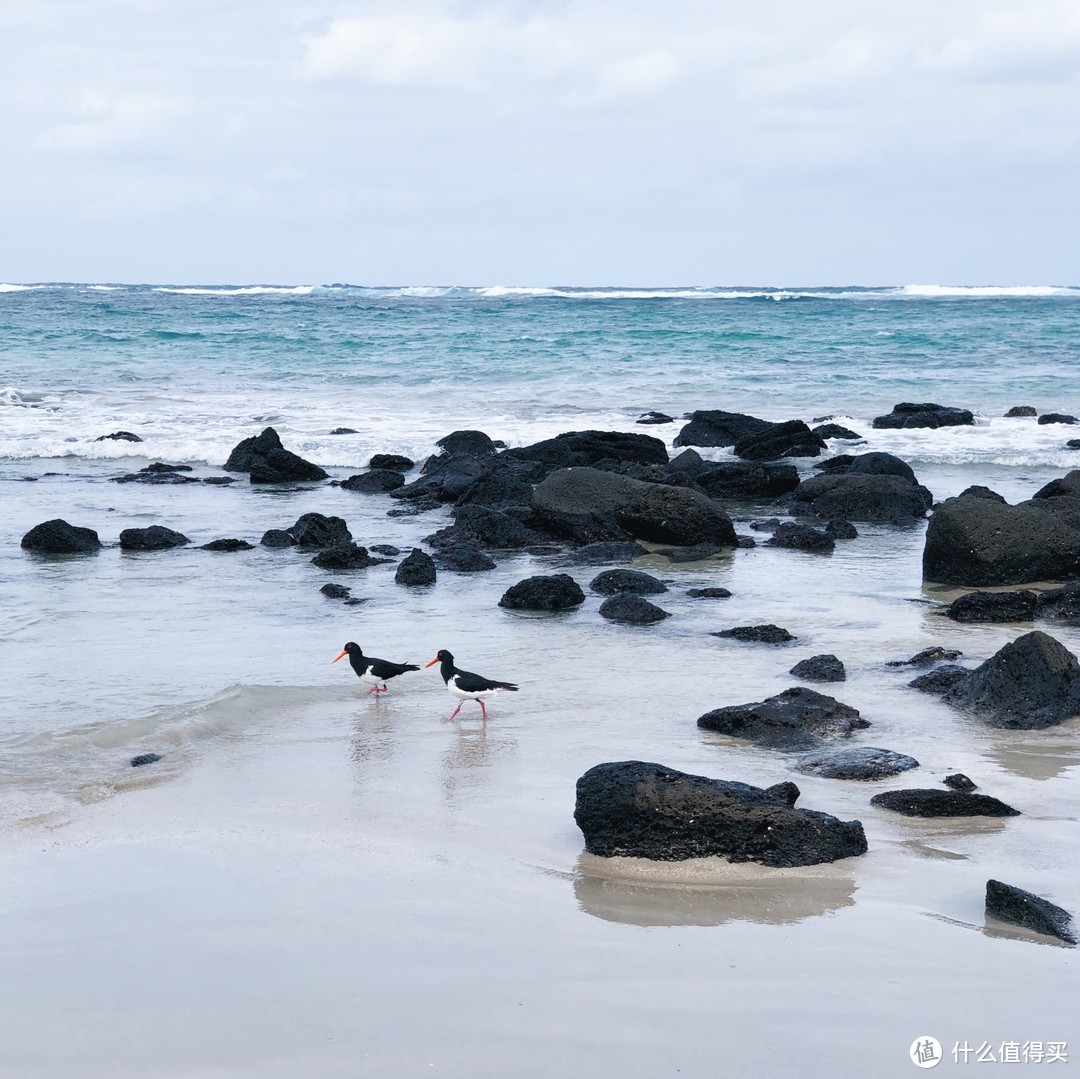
(409, 667)
(505, 685)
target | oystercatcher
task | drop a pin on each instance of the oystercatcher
(373, 672)
(465, 685)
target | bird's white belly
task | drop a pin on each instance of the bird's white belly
(369, 679)
(464, 695)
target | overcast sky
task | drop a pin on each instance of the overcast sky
(535, 143)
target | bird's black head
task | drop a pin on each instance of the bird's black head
(442, 656)
(353, 649)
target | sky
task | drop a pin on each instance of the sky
(539, 143)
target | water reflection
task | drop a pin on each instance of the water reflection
(1038, 754)
(707, 891)
(468, 763)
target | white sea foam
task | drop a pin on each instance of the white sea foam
(246, 290)
(988, 291)
(498, 291)
(20, 288)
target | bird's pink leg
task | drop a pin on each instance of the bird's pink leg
(374, 689)
(483, 710)
(453, 714)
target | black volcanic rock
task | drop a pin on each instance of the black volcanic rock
(145, 758)
(643, 810)
(931, 802)
(631, 609)
(675, 515)
(552, 593)
(318, 530)
(881, 464)
(596, 554)
(613, 581)
(1030, 911)
(855, 762)
(127, 436)
(227, 545)
(1057, 417)
(493, 528)
(655, 417)
(335, 591)
(59, 537)
(345, 556)
(959, 782)
(154, 538)
(715, 428)
(244, 453)
(842, 530)
(467, 444)
(266, 461)
(798, 716)
(789, 439)
(801, 538)
(823, 668)
(277, 537)
(577, 449)
(862, 497)
(1060, 604)
(834, 430)
(1030, 683)
(978, 491)
(344, 431)
(1021, 410)
(746, 479)
(993, 607)
(709, 593)
(393, 461)
(417, 569)
(378, 481)
(907, 414)
(941, 679)
(766, 633)
(466, 557)
(934, 654)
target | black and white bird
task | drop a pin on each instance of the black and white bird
(466, 686)
(373, 672)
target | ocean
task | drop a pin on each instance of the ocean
(376, 864)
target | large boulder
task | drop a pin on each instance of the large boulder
(1060, 604)
(834, 430)
(798, 716)
(979, 541)
(59, 537)
(467, 444)
(1030, 683)
(396, 462)
(1067, 485)
(446, 479)
(1030, 911)
(345, 556)
(498, 489)
(554, 593)
(586, 448)
(891, 499)
(746, 479)
(244, 453)
(793, 438)
(881, 464)
(675, 515)
(493, 528)
(154, 538)
(464, 557)
(823, 668)
(638, 809)
(930, 802)
(376, 481)
(587, 505)
(907, 414)
(712, 427)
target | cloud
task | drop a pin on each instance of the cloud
(108, 120)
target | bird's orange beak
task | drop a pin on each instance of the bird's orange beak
(426, 665)
(339, 657)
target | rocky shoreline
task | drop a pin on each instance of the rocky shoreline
(602, 498)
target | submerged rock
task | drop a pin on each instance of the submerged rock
(789, 439)
(937, 803)
(1030, 683)
(934, 654)
(119, 436)
(345, 556)
(801, 538)
(842, 530)
(378, 481)
(941, 680)
(59, 537)
(834, 430)
(228, 545)
(655, 417)
(612, 581)
(709, 593)
(643, 810)
(145, 758)
(596, 554)
(993, 607)
(746, 479)
(907, 414)
(396, 462)
(716, 428)
(631, 609)
(1057, 417)
(823, 668)
(862, 497)
(416, 569)
(554, 593)
(1030, 911)
(855, 762)
(1060, 604)
(465, 557)
(1021, 410)
(763, 634)
(154, 538)
(277, 537)
(335, 591)
(798, 716)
